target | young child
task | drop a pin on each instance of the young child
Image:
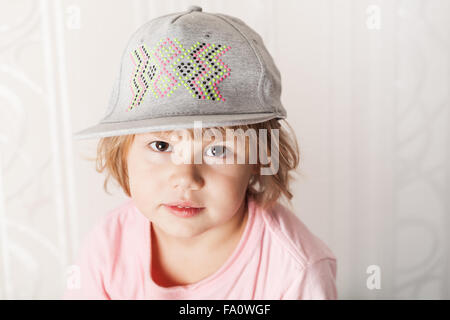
(195, 135)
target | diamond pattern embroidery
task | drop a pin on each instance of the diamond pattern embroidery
(142, 76)
(161, 70)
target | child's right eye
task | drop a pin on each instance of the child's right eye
(161, 146)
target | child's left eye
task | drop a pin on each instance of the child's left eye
(216, 151)
(161, 146)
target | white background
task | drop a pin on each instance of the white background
(366, 86)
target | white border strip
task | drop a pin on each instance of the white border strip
(67, 128)
(53, 119)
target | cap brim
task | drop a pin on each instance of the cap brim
(171, 123)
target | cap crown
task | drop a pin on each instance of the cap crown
(194, 63)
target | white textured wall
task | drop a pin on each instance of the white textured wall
(366, 85)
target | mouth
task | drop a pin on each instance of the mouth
(184, 209)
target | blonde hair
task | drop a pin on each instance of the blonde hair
(265, 189)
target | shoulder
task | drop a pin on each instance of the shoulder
(109, 229)
(97, 258)
(124, 213)
(293, 236)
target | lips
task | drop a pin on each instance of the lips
(184, 209)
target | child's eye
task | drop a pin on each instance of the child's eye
(216, 151)
(161, 146)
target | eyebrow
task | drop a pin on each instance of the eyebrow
(167, 134)
(158, 134)
(163, 134)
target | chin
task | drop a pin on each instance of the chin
(184, 232)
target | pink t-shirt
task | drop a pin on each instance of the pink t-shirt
(277, 257)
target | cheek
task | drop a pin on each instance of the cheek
(144, 177)
(229, 183)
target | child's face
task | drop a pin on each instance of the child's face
(158, 184)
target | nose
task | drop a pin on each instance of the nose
(186, 177)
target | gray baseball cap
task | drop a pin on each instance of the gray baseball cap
(191, 66)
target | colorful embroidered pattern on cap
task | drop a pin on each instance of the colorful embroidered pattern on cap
(169, 65)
